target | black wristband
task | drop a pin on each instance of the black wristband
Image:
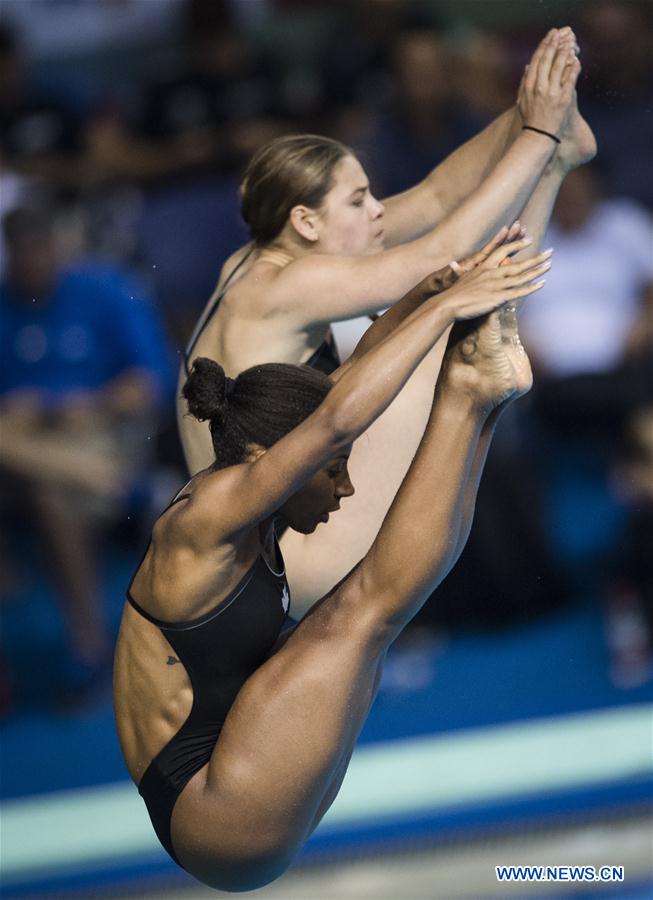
(541, 131)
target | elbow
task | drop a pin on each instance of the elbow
(340, 421)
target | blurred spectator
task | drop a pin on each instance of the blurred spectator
(629, 600)
(590, 335)
(14, 189)
(617, 87)
(422, 123)
(199, 124)
(509, 570)
(610, 416)
(603, 263)
(39, 134)
(218, 107)
(356, 60)
(184, 235)
(588, 343)
(215, 104)
(484, 83)
(84, 378)
(73, 27)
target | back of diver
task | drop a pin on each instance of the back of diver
(325, 359)
(219, 651)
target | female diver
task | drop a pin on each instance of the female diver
(238, 737)
(318, 255)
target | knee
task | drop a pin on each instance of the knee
(369, 612)
(250, 878)
(233, 846)
(349, 613)
(253, 869)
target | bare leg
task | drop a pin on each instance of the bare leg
(341, 771)
(66, 533)
(578, 147)
(523, 376)
(285, 743)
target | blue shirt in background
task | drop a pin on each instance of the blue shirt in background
(95, 324)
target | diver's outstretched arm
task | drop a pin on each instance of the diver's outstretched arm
(342, 287)
(420, 208)
(433, 284)
(413, 212)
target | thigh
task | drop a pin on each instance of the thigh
(284, 746)
(341, 770)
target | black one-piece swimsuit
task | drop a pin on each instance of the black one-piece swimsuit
(219, 651)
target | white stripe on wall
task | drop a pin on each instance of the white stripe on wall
(385, 781)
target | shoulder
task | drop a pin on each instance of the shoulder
(265, 286)
(233, 262)
(205, 516)
(295, 280)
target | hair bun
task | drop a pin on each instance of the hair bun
(205, 389)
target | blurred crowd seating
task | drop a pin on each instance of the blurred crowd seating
(124, 126)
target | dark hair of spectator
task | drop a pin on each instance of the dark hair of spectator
(291, 170)
(8, 41)
(28, 222)
(260, 406)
